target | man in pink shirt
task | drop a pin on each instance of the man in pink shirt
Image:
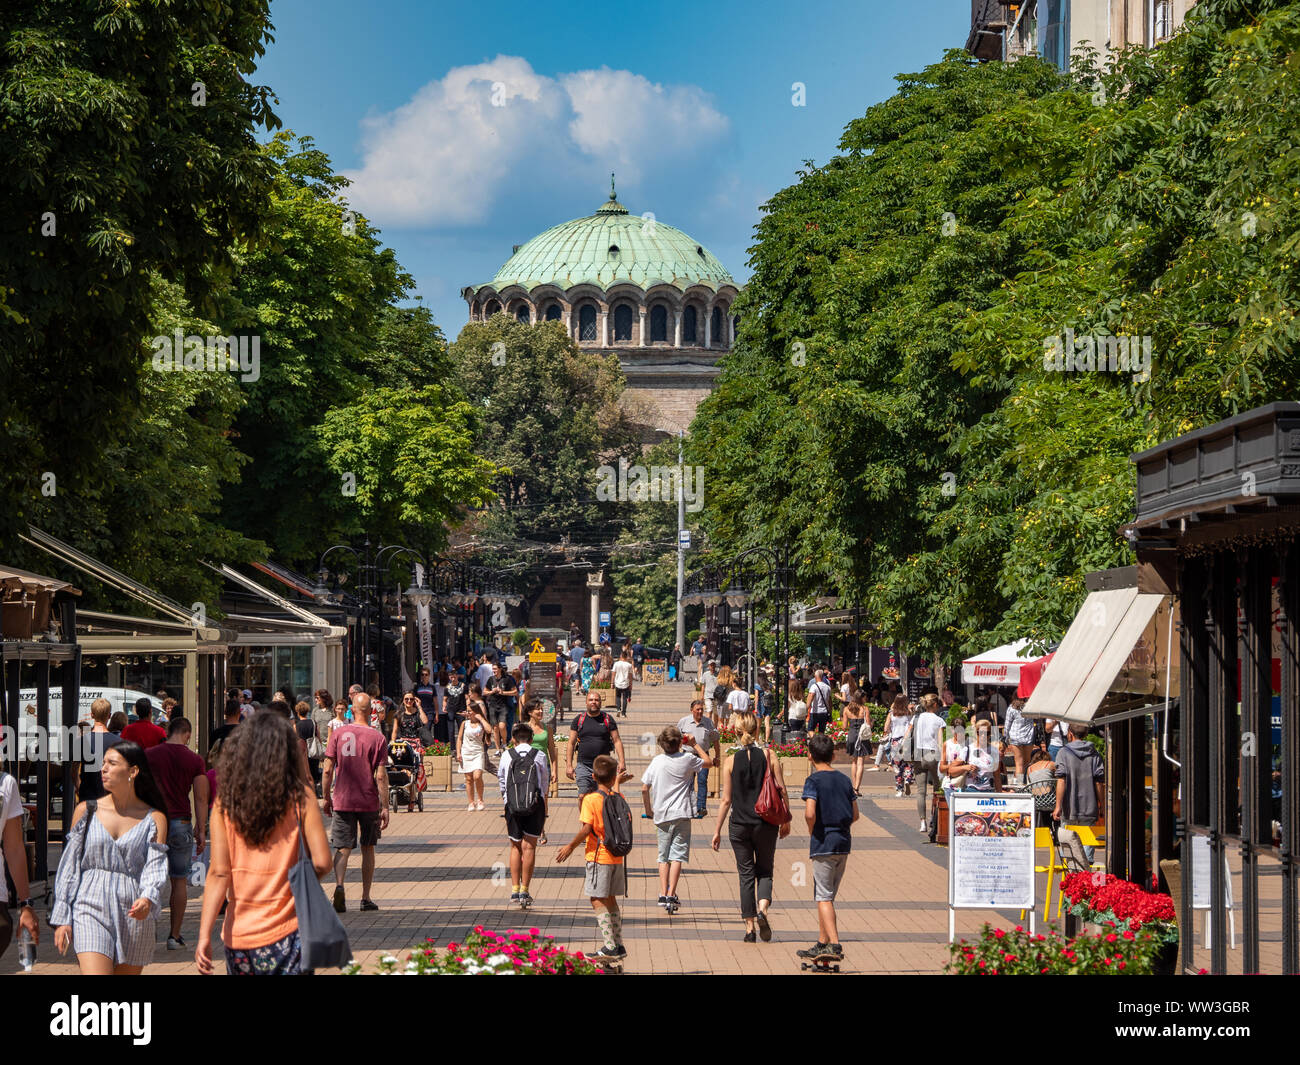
(354, 782)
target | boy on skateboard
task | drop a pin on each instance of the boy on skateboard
(606, 878)
(830, 808)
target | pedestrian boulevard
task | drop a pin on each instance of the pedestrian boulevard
(441, 872)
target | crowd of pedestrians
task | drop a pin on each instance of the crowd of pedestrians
(292, 784)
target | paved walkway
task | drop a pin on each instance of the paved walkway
(442, 872)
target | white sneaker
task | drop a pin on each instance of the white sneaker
(925, 828)
(176, 943)
(470, 808)
(898, 794)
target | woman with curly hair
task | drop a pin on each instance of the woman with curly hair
(267, 800)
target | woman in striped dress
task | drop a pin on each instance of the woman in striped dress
(113, 870)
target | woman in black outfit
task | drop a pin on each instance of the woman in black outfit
(752, 839)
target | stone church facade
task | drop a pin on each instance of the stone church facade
(630, 286)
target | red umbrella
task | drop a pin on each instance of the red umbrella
(1030, 674)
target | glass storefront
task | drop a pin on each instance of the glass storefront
(265, 669)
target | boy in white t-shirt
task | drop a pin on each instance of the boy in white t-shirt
(666, 789)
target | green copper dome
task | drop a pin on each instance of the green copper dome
(608, 247)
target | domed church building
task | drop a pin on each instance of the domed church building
(627, 285)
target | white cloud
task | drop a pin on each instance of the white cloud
(449, 155)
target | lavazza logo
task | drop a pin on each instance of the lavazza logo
(991, 802)
(121, 1019)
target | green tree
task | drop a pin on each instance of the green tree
(410, 453)
(551, 419)
(113, 170)
(322, 296)
(837, 411)
(153, 511)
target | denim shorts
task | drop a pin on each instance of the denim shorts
(180, 848)
(674, 840)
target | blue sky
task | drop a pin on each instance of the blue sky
(469, 129)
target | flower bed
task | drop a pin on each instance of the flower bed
(1016, 953)
(437, 749)
(792, 749)
(486, 953)
(1106, 900)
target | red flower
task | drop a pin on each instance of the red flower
(999, 933)
(1111, 938)
(1121, 965)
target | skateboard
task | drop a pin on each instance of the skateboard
(525, 904)
(610, 966)
(827, 963)
(671, 907)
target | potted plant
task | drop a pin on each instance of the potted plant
(520, 640)
(485, 953)
(999, 952)
(1110, 904)
(437, 766)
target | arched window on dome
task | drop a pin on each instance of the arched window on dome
(553, 313)
(622, 322)
(522, 314)
(658, 324)
(493, 307)
(715, 328)
(587, 323)
(690, 326)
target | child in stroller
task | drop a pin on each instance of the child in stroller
(406, 779)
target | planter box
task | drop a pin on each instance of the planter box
(606, 697)
(795, 772)
(438, 771)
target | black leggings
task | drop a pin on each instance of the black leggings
(755, 849)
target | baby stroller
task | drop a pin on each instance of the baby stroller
(406, 780)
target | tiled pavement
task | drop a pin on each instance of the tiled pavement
(435, 879)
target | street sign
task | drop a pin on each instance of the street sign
(684, 538)
(604, 618)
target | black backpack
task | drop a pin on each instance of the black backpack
(608, 725)
(523, 796)
(617, 816)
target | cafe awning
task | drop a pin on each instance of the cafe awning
(1000, 666)
(1100, 643)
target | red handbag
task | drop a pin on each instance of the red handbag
(771, 805)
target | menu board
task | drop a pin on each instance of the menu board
(991, 851)
(541, 676)
(655, 672)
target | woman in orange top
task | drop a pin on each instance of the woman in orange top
(266, 798)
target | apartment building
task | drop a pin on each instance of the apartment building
(1053, 29)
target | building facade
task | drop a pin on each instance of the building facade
(1053, 29)
(630, 286)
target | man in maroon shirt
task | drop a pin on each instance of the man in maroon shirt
(354, 783)
(180, 774)
(143, 731)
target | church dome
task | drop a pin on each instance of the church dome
(608, 247)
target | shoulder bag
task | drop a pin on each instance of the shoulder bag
(771, 805)
(321, 934)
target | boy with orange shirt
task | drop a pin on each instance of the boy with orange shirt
(606, 878)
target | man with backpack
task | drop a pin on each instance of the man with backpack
(524, 775)
(819, 703)
(606, 826)
(591, 735)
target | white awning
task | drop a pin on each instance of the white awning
(1000, 666)
(1094, 651)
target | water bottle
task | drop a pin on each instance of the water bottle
(26, 950)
